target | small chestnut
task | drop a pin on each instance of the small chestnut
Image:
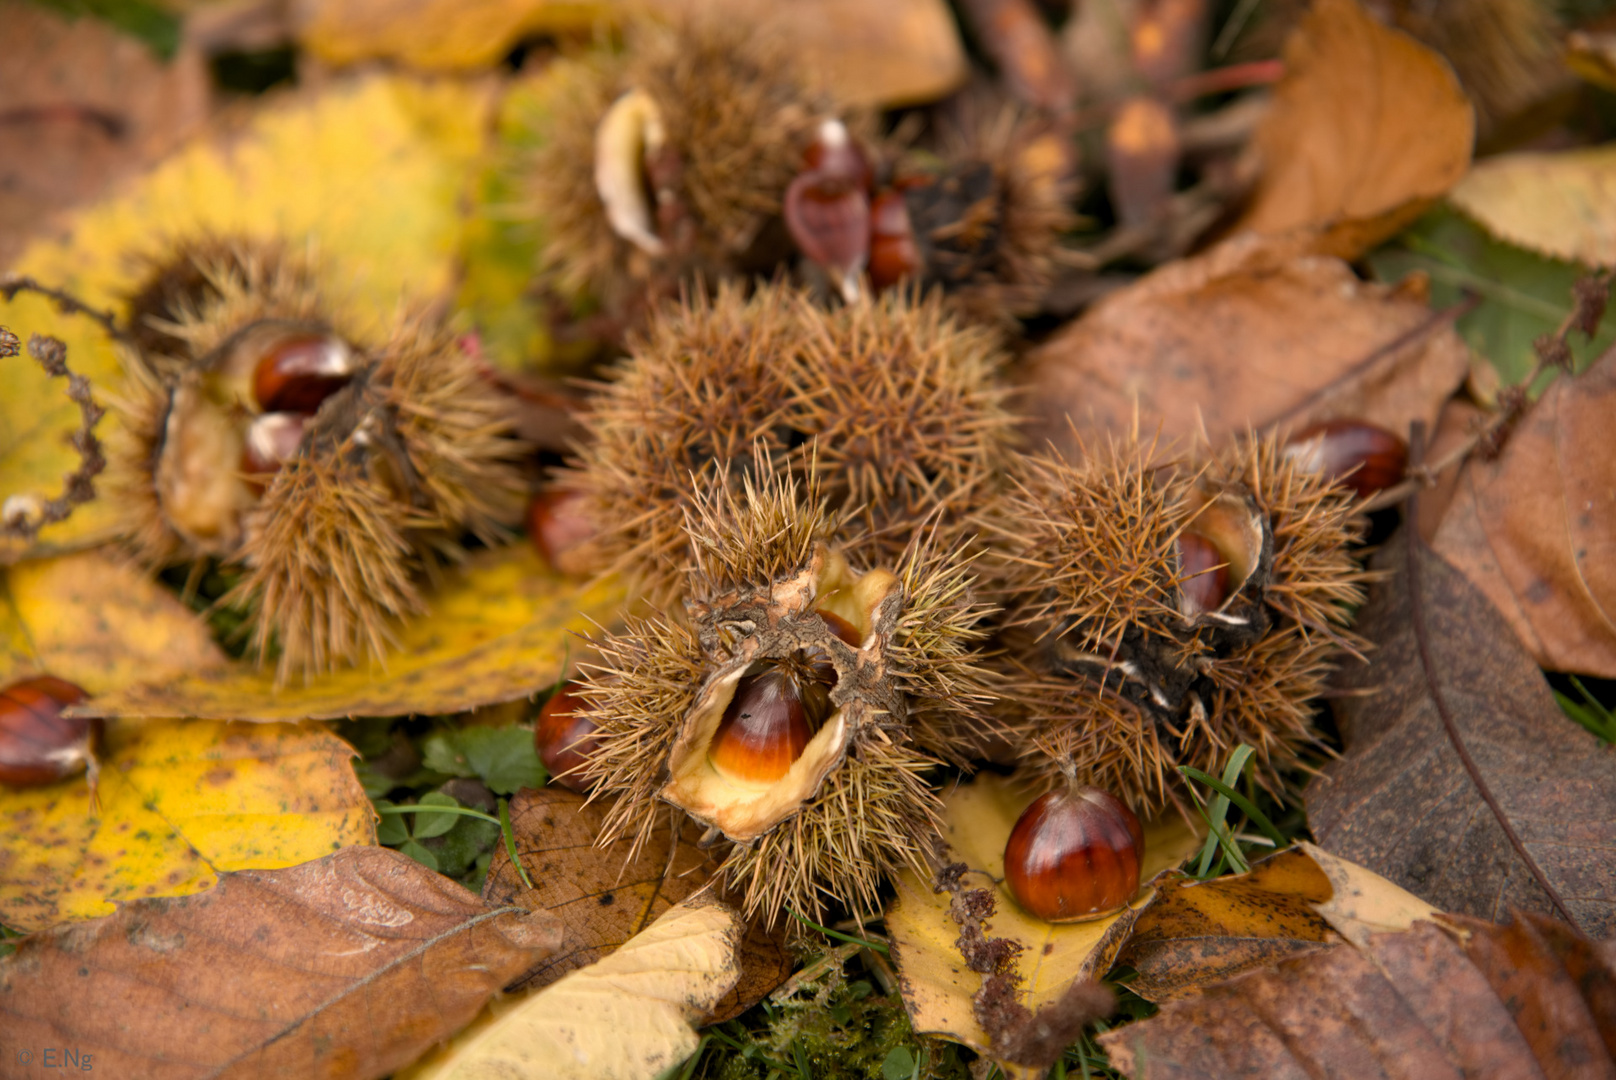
(1359, 455)
(1074, 855)
(770, 719)
(1203, 572)
(560, 528)
(272, 440)
(565, 737)
(834, 154)
(38, 745)
(893, 253)
(829, 218)
(300, 370)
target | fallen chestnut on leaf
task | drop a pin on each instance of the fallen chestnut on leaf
(564, 737)
(38, 745)
(1358, 455)
(299, 371)
(1074, 855)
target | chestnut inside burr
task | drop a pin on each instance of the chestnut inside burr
(772, 716)
(1203, 574)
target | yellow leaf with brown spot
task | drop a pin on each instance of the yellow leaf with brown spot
(497, 630)
(179, 803)
(96, 622)
(370, 174)
(1560, 205)
(937, 986)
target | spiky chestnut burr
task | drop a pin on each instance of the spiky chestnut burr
(900, 405)
(772, 597)
(1121, 671)
(715, 114)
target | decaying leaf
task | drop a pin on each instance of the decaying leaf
(1561, 205)
(626, 1017)
(98, 623)
(937, 986)
(903, 52)
(1247, 335)
(1367, 130)
(604, 900)
(310, 170)
(1535, 530)
(1462, 780)
(347, 966)
(496, 630)
(180, 803)
(1450, 999)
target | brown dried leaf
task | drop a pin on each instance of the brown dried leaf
(1535, 530)
(1367, 130)
(1531, 999)
(349, 966)
(1559, 205)
(1247, 335)
(603, 900)
(83, 105)
(1447, 680)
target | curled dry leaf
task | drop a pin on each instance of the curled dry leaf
(495, 630)
(903, 52)
(349, 966)
(1462, 780)
(376, 242)
(179, 803)
(937, 986)
(98, 623)
(1561, 205)
(1535, 530)
(604, 898)
(626, 1017)
(1459, 998)
(1247, 335)
(1368, 128)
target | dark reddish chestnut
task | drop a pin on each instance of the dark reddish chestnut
(38, 745)
(893, 254)
(559, 526)
(841, 628)
(1074, 855)
(829, 218)
(272, 440)
(1361, 456)
(770, 719)
(565, 737)
(1203, 574)
(834, 154)
(300, 370)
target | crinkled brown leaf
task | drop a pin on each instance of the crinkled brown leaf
(84, 104)
(1367, 130)
(1467, 999)
(603, 900)
(1247, 335)
(1560, 205)
(1537, 799)
(349, 966)
(1535, 530)
(626, 1017)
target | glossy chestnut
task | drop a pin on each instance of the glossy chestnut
(300, 370)
(38, 745)
(1074, 855)
(1358, 455)
(1203, 574)
(834, 154)
(565, 737)
(893, 252)
(272, 440)
(829, 218)
(770, 719)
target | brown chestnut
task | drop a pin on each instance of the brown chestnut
(300, 370)
(893, 253)
(38, 745)
(560, 528)
(841, 628)
(770, 719)
(1074, 855)
(565, 737)
(1203, 574)
(834, 154)
(829, 218)
(1359, 455)
(272, 440)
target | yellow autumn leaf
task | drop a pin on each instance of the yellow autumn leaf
(97, 622)
(1560, 205)
(937, 986)
(496, 630)
(180, 802)
(370, 173)
(1362, 902)
(625, 1017)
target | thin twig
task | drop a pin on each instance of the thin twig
(24, 515)
(66, 302)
